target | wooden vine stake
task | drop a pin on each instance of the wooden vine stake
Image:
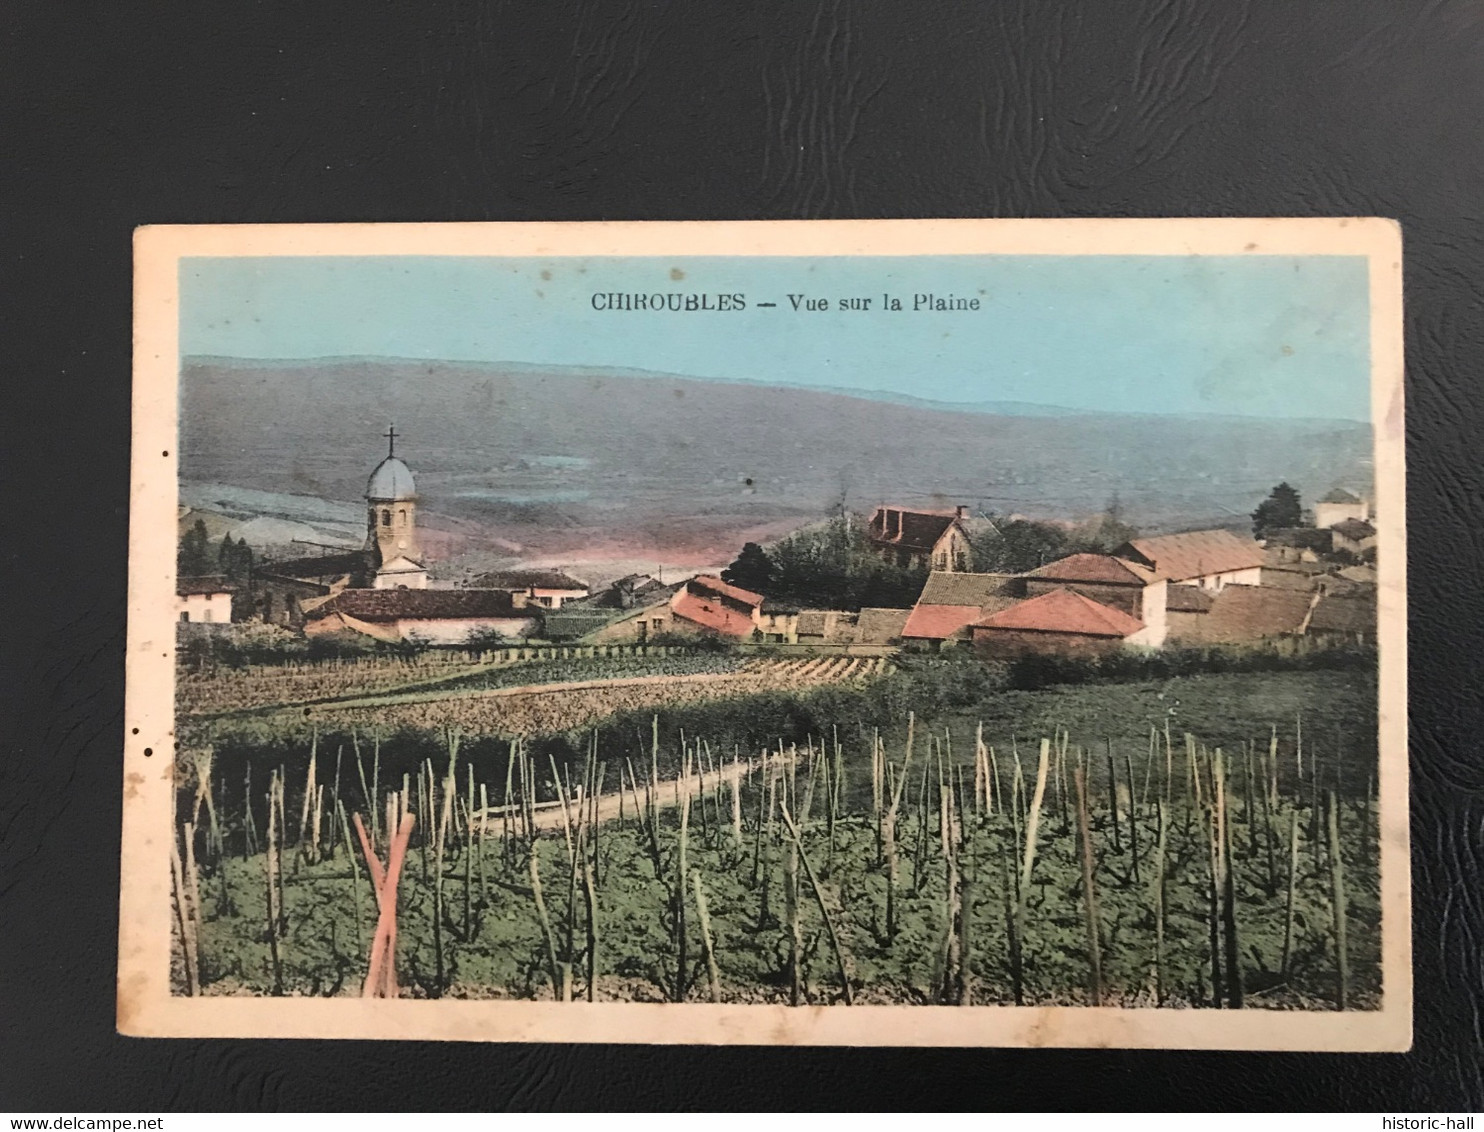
(1089, 891)
(1337, 903)
(381, 970)
(185, 923)
(1032, 824)
(712, 974)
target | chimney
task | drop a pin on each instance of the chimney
(961, 512)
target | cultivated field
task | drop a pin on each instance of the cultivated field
(1201, 841)
(506, 697)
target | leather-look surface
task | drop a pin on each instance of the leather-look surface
(129, 113)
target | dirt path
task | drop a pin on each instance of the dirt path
(549, 815)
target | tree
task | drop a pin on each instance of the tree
(1282, 508)
(1019, 545)
(1106, 533)
(753, 569)
(485, 639)
(194, 557)
(234, 559)
(831, 565)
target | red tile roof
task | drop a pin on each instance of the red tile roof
(920, 530)
(418, 605)
(1194, 554)
(1094, 568)
(712, 615)
(715, 585)
(939, 622)
(1062, 611)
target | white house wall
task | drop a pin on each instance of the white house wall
(214, 608)
(455, 631)
(1217, 582)
(1328, 514)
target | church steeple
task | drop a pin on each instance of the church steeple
(391, 508)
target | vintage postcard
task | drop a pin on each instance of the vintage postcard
(855, 633)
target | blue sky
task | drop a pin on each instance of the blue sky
(1272, 336)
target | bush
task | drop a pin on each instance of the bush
(486, 640)
(1031, 672)
(700, 642)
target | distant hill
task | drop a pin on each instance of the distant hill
(594, 450)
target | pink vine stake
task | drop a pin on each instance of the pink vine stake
(381, 970)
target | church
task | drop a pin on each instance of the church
(382, 590)
(391, 525)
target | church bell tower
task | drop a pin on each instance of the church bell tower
(391, 509)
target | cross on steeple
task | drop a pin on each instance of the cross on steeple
(391, 440)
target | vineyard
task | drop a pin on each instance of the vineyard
(523, 697)
(956, 862)
(541, 708)
(225, 690)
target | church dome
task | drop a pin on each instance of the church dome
(392, 480)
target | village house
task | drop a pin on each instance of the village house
(633, 606)
(1280, 572)
(637, 627)
(548, 589)
(827, 627)
(438, 617)
(1344, 618)
(1240, 613)
(1297, 544)
(1119, 583)
(700, 606)
(778, 621)
(922, 539)
(706, 603)
(282, 590)
(880, 627)
(1209, 559)
(1169, 588)
(1363, 575)
(950, 602)
(1059, 622)
(1338, 506)
(1354, 536)
(204, 599)
(873, 628)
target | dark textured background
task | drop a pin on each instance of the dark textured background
(119, 114)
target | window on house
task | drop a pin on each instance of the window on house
(185, 614)
(402, 516)
(206, 615)
(386, 518)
